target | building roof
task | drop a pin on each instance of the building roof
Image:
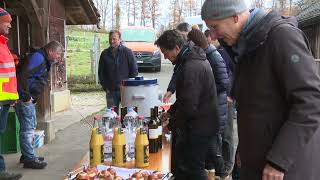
(81, 12)
(310, 15)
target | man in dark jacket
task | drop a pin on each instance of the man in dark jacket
(277, 89)
(116, 64)
(33, 76)
(194, 115)
(183, 28)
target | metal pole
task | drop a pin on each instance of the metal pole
(18, 34)
(112, 14)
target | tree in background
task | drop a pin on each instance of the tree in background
(154, 11)
(176, 13)
(258, 4)
(118, 15)
(191, 7)
(102, 6)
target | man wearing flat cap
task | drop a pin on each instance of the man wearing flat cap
(277, 90)
(8, 85)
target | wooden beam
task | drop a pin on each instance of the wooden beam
(34, 12)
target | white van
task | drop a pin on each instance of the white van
(196, 20)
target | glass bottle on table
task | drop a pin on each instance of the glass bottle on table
(141, 145)
(156, 112)
(153, 134)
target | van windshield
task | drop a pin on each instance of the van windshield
(138, 35)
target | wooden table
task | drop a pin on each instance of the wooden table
(158, 161)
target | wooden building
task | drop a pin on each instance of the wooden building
(309, 22)
(37, 22)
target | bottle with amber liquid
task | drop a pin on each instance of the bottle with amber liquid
(153, 133)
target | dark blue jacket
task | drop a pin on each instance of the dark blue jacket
(112, 70)
(221, 77)
(229, 64)
(33, 75)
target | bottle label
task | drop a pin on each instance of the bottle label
(113, 154)
(124, 154)
(101, 155)
(160, 130)
(146, 153)
(91, 153)
(120, 131)
(153, 133)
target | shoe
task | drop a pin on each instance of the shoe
(22, 158)
(9, 176)
(34, 164)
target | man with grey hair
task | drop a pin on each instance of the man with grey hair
(33, 76)
(277, 89)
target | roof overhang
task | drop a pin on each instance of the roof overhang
(81, 12)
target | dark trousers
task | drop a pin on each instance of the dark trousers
(190, 155)
(214, 158)
(4, 111)
(228, 149)
(113, 98)
(173, 142)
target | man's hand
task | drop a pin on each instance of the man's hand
(165, 121)
(167, 96)
(270, 173)
(229, 99)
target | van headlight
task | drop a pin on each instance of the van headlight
(156, 54)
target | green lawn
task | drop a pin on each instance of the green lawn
(78, 55)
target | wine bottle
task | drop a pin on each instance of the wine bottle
(153, 133)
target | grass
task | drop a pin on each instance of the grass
(78, 60)
(78, 56)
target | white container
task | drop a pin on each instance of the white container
(140, 92)
(38, 140)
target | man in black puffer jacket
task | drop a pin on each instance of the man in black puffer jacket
(194, 115)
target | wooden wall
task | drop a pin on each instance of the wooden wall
(313, 34)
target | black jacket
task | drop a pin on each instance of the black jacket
(196, 103)
(277, 89)
(112, 70)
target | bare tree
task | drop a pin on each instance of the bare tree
(102, 6)
(154, 11)
(191, 6)
(258, 4)
(283, 5)
(118, 14)
(144, 12)
(176, 12)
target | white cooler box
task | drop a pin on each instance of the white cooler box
(140, 92)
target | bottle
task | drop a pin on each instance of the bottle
(119, 148)
(130, 122)
(108, 120)
(156, 111)
(141, 146)
(124, 111)
(153, 133)
(96, 147)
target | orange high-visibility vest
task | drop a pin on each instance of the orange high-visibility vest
(8, 79)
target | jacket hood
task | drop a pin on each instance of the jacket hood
(190, 51)
(257, 35)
